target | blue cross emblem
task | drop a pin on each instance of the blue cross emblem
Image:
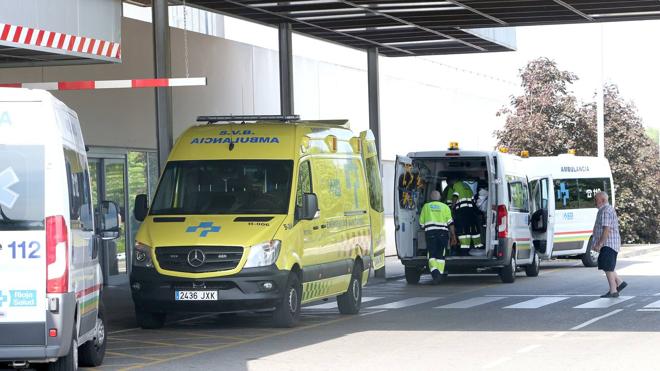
(205, 227)
(563, 193)
(3, 299)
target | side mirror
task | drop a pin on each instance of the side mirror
(141, 207)
(109, 221)
(310, 208)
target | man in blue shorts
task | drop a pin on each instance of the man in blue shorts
(607, 242)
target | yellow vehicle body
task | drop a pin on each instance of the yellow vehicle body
(231, 188)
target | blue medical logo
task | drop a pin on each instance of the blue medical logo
(563, 193)
(3, 299)
(204, 227)
(7, 179)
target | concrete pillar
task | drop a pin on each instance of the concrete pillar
(286, 69)
(162, 69)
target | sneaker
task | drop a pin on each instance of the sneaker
(610, 295)
(622, 286)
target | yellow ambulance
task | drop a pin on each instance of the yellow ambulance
(257, 213)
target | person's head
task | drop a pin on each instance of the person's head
(601, 199)
(435, 196)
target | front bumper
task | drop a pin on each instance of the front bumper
(153, 292)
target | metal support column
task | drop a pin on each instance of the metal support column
(162, 68)
(286, 69)
(374, 113)
(374, 95)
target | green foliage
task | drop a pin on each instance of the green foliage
(548, 120)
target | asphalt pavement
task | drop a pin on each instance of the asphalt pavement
(469, 322)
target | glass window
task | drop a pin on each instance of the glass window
(21, 187)
(375, 184)
(80, 200)
(518, 196)
(224, 187)
(589, 188)
(566, 194)
(539, 194)
(138, 168)
(304, 182)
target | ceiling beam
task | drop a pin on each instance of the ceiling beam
(574, 10)
(475, 11)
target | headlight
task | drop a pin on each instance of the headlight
(263, 254)
(142, 256)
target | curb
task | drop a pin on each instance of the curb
(641, 250)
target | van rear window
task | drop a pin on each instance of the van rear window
(21, 187)
(224, 187)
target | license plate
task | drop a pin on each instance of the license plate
(188, 295)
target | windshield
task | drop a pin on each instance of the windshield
(224, 187)
(21, 187)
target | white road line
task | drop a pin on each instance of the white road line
(374, 312)
(497, 363)
(558, 335)
(658, 294)
(655, 304)
(469, 303)
(589, 322)
(648, 310)
(528, 349)
(537, 302)
(548, 295)
(333, 304)
(405, 303)
(604, 302)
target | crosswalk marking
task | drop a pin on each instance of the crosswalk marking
(405, 303)
(333, 304)
(469, 303)
(654, 305)
(537, 302)
(604, 302)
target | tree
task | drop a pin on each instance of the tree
(548, 120)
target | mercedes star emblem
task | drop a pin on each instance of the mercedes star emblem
(196, 258)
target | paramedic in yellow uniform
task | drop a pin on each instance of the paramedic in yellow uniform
(465, 215)
(436, 220)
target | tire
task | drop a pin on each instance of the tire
(532, 270)
(149, 320)
(590, 257)
(91, 353)
(413, 275)
(287, 312)
(508, 272)
(70, 361)
(351, 301)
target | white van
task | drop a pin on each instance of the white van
(50, 277)
(505, 229)
(575, 182)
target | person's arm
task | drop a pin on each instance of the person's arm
(452, 233)
(603, 238)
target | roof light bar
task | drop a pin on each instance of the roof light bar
(214, 119)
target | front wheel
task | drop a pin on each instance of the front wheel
(532, 270)
(91, 353)
(413, 275)
(350, 301)
(590, 257)
(287, 312)
(508, 272)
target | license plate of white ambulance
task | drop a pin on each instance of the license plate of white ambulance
(185, 295)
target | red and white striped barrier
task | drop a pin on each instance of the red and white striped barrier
(19, 36)
(109, 84)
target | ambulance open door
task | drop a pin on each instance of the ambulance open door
(375, 187)
(542, 215)
(404, 211)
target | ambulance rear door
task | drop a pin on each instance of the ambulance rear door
(22, 225)
(375, 188)
(542, 215)
(404, 210)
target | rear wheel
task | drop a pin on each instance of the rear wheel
(590, 257)
(350, 301)
(508, 272)
(413, 275)
(70, 361)
(91, 353)
(287, 312)
(533, 269)
(150, 320)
